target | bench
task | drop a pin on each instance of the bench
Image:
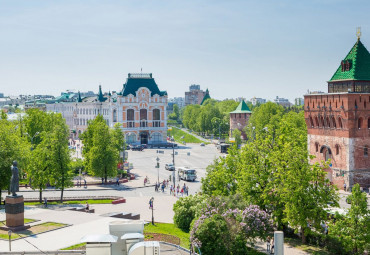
(119, 201)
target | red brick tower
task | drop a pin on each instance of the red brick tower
(239, 118)
(338, 123)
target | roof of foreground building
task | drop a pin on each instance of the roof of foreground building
(138, 80)
(355, 66)
(242, 108)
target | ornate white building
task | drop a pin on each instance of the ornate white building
(140, 108)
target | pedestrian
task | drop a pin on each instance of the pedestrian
(156, 187)
(85, 183)
(177, 190)
(150, 204)
(162, 187)
(45, 202)
(272, 246)
(345, 187)
(87, 208)
(117, 181)
(268, 243)
(171, 190)
(182, 191)
(187, 190)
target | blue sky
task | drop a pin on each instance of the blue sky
(234, 48)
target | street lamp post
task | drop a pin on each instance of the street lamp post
(152, 199)
(158, 167)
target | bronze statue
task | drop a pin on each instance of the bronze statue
(14, 181)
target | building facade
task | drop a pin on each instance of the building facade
(338, 122)
(195, 95)
(257, 100)
(140, 109)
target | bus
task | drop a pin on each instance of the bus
(187, 174)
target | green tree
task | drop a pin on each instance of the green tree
(103, 155)
(4, 116)
(60, 156)
(238, 137)
(353, 229)
(10, 150)
(118, 138)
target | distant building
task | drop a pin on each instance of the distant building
(299, 101)
(1, 95)
(140, 109)
(282, 101)
(195, 95)
(180, 101)
(239, 99)
(239, 118)
(257, 100)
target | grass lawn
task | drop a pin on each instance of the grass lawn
(36, 229)
(102, 201)
(188, 138)
(80, 246)
(25, 221)
(169, 229)
(306, 247)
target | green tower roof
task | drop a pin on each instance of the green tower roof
(206, 96)
(101, 98)
(358, 65)
(242, 108)
(79, 99)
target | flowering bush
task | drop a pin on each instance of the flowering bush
(229, 232)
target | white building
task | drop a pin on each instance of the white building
(257, 100)
(140, 109)
(299, 101)
(282, 101)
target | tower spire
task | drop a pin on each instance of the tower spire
(358, 33)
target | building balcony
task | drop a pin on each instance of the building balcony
(143, 123)
(156, 123)
(130, 124)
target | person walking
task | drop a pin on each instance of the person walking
(182, 191)
(272, 246)
(345, 187)
(117, 181)
(268, 243)
(150, 204)
(85, 183)
(45, 202)
(87, 208)
(187, 190)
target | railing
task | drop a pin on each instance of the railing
(143, 123)
(130, 124)
(156, 123)
(72, 252)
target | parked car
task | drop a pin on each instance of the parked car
(137, 148)
(202, 144)
(145, 146)
(169, 167)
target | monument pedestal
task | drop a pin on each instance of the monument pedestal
(14, 209)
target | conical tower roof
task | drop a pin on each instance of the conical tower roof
(242, 108)
(206, 96)
(79, 97)
(356, 65)
(101, 98)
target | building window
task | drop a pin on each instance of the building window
(131, 138)
(327, 122)
(334, 124)
(317, 122)
(322, 122)
(156, 137)
(311, 122)
(366, 151)
(340, 125)
(143, 118)
(114, 115)
(317, 147)
(130, 115)
(156, 118)
(360, 120)
(368, 123)
(336, 149)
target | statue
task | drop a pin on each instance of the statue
(14, 181)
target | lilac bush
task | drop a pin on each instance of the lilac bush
(243, 227)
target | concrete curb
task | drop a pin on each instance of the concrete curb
(178, 247)
(83, 189)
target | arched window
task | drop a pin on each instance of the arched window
(143, 118)
(327, 122)
(334, 124)
(340, 125)
(130, 118)
(322, 121)
(360, 121)
(156, 137)
(317, 122)
(317, 147)
(114, 115)
(311, 122)
(366, 151)
(336, 149)
(368, 123)
(131, 138)
(156, 118)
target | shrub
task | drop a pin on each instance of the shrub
(185, 210)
